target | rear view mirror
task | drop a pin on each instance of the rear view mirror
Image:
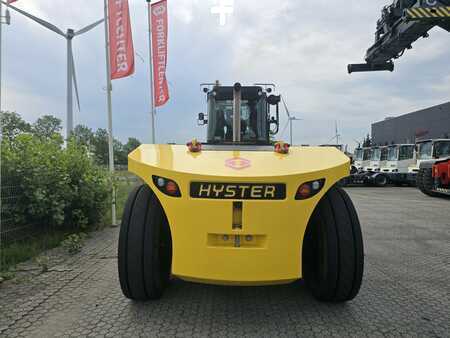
(202, 119)
(273, 100)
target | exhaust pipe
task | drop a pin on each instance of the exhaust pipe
(237, 112)
(370, 67)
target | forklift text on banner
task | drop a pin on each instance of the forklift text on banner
(159, 47)
(120, 39)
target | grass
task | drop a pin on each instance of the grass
(18, 252)
(21, 251)
(125, 185)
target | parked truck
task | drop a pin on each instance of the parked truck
(433, 158)
(399, 158)
(441, 177)
(366, 169)
(367, 154)
(427, 150)
(357, 160)
(374, 160)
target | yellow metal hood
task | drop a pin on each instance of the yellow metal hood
(237, 161)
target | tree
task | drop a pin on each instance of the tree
(83, 135)
(47, 126)
(100, 142)
(120, 154)
(367, 141)
(12, 125)
(132, 144)
(101, 149)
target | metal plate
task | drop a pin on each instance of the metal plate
(238, 191)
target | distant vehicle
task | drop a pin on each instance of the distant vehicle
(367, 155)
(432, 178)
(428, 150)
(366, 167)
(358, 159)
(399, 158)
(441, 176)
(377, 155)
(384, 157)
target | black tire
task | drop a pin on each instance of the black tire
(145, 247)
(333, 254)
(343, 182)
(381, 180)
(425, 181)
(419, 180)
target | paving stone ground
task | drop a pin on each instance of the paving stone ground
(405, 291)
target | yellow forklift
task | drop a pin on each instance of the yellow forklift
(240, 209)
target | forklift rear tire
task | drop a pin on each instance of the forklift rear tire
(425, 181)
(333, 254)
(145, 247)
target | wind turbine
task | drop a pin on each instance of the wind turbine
(71, 74)
(336, 135)
(291, 119)
(359, 143)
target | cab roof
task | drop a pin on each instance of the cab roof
(434, 140)
(226, 92)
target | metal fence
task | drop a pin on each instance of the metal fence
(14, 227)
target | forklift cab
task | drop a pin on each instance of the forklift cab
(256, 122)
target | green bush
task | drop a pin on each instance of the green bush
(74, 243)
(56, 186)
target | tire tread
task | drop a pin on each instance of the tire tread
(335, 217)
(142, 275)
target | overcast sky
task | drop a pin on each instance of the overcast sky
(302, 46)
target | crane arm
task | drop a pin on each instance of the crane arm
(402, 23)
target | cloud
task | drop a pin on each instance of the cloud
(302, 46)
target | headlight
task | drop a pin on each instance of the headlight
(309, 189)
(167, 186)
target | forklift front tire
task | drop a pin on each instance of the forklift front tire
(145, 247)
(333, 254)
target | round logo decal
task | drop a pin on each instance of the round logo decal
(237, 163)
(159, 10)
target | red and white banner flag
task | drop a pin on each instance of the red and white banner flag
(121, 50)
(10, 1)
(159, 22)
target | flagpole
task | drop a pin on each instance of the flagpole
(7, 22)
(1, 50)
(1, 125)
(109, 104)
(152, 90)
